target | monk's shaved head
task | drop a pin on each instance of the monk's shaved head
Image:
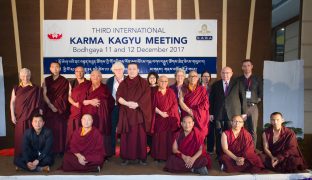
(86, 121)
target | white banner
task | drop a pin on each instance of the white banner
(283, 91)
(156, 45)
(2, 102)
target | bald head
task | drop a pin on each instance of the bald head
(163, 82)
(226, 73)
(96, 77)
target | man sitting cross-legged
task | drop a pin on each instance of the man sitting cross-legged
(189, 154)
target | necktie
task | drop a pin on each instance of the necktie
(226, 91)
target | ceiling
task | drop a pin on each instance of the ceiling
(283, 10)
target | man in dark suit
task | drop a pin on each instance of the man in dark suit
(226, 100)
(253, 92)
(113, 84)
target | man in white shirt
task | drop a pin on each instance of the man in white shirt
(113, 84)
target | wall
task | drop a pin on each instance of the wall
(292, 41)
(306, 55)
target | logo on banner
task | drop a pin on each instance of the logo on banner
(204, 33)
(55, 36)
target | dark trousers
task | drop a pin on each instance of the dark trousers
(211, 137)
(220, 127)
(22, 163)
(252, 121)
(115, 116)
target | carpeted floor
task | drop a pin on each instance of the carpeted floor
(112, 167)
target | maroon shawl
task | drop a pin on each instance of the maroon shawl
(166, 103)
(57, 92)
(286, 149)
(102, 114)
(243, 146)
(198, 101)
(78, 94)
(137, 90)
(90, 145)
(27, 100)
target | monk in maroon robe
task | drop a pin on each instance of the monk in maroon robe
(86, 150)
(55, 94)
(194, 102)
(189, 153)
(77, 93)
(25, 99)
(99, 102)
(281, 149)
(238, 150)
(166, 120)
(134, 97)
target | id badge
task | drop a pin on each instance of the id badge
(248, 94)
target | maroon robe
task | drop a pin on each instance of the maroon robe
(134, 123)
(188, 145)
(241, 146)
(28, 99)
(90, 146)
(101, 114)
(163, 127)
(286, 150)
(57, 92)
(198, 101)
(78, 94)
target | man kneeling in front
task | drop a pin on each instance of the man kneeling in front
(86, 150)
(189, 154)
(37, 147)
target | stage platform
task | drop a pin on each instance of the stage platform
(154, 170)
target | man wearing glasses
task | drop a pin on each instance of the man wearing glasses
(238, 149)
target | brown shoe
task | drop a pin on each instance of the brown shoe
(45, 169)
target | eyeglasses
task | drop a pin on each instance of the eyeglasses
(163, 81)
(238, 122)
(205, 76)
(192, 76)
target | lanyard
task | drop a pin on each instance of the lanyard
(248, 83)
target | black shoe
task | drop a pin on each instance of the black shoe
(124, 163)
(143, 162)
(201, 171)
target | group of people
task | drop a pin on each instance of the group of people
(81, 120)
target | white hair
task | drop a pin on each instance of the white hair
(180, 70)
(116, 65)
(25, 71)
(98, 71)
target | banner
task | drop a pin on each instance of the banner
(2, 102)
(283, 91)
(156, 45)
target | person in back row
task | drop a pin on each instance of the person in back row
(166, 120)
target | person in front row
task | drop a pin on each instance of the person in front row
(189, 154)
(280, 146)
(238, 150)
(86, 150)
(36, 152)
